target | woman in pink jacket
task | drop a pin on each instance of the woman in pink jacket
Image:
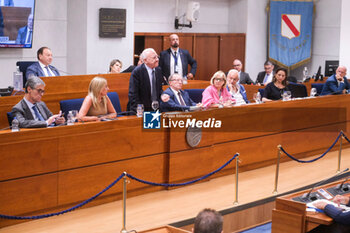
(216, 95)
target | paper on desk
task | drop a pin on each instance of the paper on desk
(311, 207)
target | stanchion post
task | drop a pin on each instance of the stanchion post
(340, 149)
(236, 185)
(277, 168)
(123, 230)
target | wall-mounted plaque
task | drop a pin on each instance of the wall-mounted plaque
(112, 22)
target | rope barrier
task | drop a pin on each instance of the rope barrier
(186, 183)
(313, 160)
(64, 211)
(346, 138)
(108, 187)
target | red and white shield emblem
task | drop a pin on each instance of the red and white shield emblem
(290, 25)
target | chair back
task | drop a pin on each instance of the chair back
(10, 117)
(23, 65)
(318, 86)
(195, 94)
(298, 90)
(261, 91)
(114, 97)
(72, 104)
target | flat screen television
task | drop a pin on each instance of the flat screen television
(16, 23)
(330, 68)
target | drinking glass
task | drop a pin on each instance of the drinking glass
(74, 115)
(155, 105)
(286, 95)
(313, 92)
(139, 110)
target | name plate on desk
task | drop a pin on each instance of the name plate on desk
(112, 23)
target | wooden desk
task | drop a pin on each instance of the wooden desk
(76, 86)
(42, 170)
(290, 216)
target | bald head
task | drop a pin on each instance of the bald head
(237, 64)
(174, 41)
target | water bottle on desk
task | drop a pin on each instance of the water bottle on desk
(305, 73)
(184, 80)
(18, 80)
(15, 125)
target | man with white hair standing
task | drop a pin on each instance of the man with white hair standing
(145, 85)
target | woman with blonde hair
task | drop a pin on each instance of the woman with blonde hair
(216, 95)
(97, 105)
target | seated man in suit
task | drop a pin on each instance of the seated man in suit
(175, 99)
(266, 76)
(208, 220)
(145, 85)
(337, 83)
(176, 60)
(42, 68)
(25, 33)
(31, 112)
(244, 77)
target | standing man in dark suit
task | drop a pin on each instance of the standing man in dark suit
(145, 85)
(31, 112)
(25, 33)
(176, 60)
(175, 99)
(42, 68)
(244, 77)
(266, 76)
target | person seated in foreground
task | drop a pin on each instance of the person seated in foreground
(97, 106)
(208, 221)
(274, 90)
(175, 99)
(31, 112)
(342, 219)
(216, 95)
(236, 90)
(337, 83)
(115, 66)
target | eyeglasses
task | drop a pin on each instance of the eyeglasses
(219, 79)
(176, 80)
(236, 65)
(40, 91)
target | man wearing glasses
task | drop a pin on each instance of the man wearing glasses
(175, 99)
(244, 77)
(31, 112)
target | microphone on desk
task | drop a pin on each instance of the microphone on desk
(340, 186)
(308, 196)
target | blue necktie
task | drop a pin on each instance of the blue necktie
(265, 79)
(37, 114)
(48, 71)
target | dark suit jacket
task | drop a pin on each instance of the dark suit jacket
(338, 215)
(260, 78)
(186, 59)
(26, 120)
(140, 88)
(21, 36)
(173, 104)
(331, 86)
(35, 69)
(244, 78)
(1, 23)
